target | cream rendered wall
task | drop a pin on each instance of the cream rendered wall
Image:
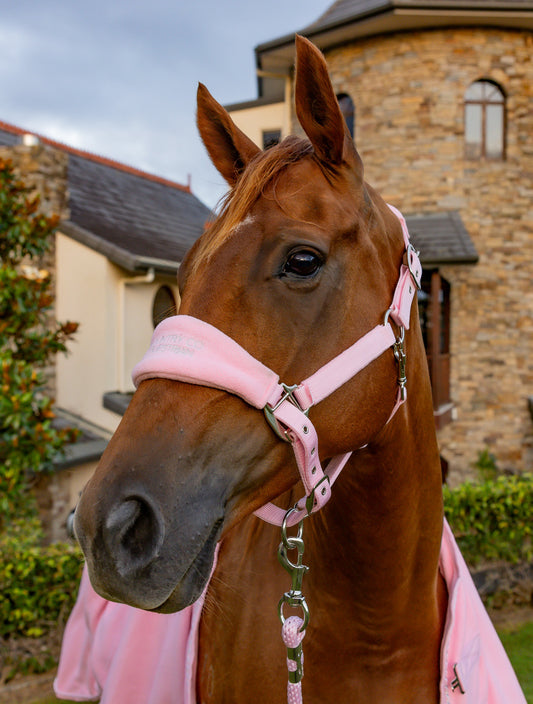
(86, 292)
(252, 121)
(137, 324)
(114, 309)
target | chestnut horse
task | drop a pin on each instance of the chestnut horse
(302, 261)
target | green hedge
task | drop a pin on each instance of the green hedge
(38, 586)
(492, 520)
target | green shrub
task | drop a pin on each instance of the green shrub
(492, 520)
(486, 465)
(38, 587)
(29, 340)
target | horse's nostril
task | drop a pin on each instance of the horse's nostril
(134, 532)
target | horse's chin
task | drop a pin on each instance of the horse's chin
(139, 591)
(194, 581)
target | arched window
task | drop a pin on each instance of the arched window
(348, 110)
(164, 305)
(484, 121)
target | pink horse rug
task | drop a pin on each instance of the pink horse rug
(121, 654)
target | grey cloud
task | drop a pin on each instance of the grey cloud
(119, 78)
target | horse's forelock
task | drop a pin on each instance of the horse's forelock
(235, 206)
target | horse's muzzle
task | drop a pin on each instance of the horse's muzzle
(136, 556)
(133, 532)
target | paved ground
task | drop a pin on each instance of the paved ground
(27, 690)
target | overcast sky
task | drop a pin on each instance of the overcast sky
(118, 77)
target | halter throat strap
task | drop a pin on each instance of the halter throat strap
(187, 349)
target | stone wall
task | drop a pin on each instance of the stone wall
(44, 169)
(408, 90)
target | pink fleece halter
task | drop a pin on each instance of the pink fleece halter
(187, 349)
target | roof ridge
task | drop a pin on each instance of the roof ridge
(105, 161)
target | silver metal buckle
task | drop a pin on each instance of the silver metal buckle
(310, 501)
(456, 682)
(269, 411)
(416, 276)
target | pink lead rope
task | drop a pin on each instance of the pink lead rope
(186, 349)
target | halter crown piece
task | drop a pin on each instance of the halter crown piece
(184, 348)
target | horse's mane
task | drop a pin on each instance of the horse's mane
(236, 204)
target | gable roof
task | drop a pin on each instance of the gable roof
(136, 219)
(349, 20)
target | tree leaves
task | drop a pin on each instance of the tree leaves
(29, 339)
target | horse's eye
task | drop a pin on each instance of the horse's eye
(302, 262)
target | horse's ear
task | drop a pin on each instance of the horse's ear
(317, 107)
(229, 148)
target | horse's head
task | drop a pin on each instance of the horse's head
(301, 262)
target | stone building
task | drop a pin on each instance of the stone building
(439, 97)
(121, 238)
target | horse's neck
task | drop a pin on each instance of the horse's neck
(380, 533)
(377, 605)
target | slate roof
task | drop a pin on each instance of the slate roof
(441, 239)
(136, 219)
(352, 10)
(89, 445)
(148, 218)
(350, 20)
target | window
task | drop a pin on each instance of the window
(484, 121)
(348, 110)
(270, 138)
(434, 312)
(164, 305)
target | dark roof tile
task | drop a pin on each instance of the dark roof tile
(136, 219)
(442, 239)
(352, 10)
(145, 217)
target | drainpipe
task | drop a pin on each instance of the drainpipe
(147, 278)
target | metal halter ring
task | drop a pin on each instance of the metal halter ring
(401, 336)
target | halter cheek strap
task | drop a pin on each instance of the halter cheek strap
(187, 349)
